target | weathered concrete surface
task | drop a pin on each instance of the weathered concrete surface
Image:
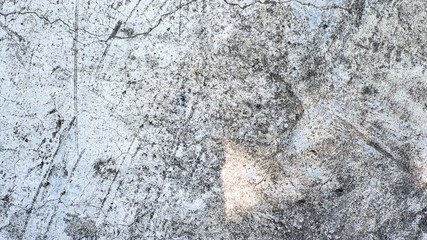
(203, 119)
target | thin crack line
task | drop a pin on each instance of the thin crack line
(76, 36)
(51, 22)
(5, 15)
(159, 21)
(316, 6)
(288, 1)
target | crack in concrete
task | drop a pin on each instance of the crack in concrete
(5, 15)
(75, 77)
(51, 22)
(14, 33)
(159, 21)
(290, 1)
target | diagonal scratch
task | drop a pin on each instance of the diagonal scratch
(402, 163)
(46, 176)
(52, 217)
(76, 164)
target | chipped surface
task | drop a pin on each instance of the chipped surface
(215, 119)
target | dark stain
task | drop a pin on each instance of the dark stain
(59, 123)
(104, 168)
(423, 221)
(339, 191)
(6, 199)
(398, 56)
(369, 90)
(115, 30)
(79, 228)
(357, 9)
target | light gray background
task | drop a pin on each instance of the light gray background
(198, 119)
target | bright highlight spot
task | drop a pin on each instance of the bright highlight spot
(238, 182)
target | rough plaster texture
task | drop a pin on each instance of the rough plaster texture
(198, 119)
